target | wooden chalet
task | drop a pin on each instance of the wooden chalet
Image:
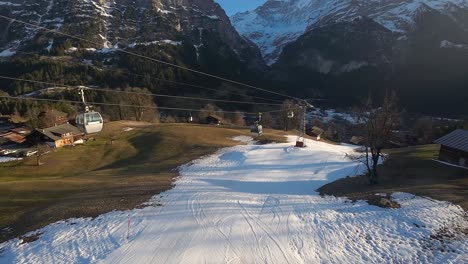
(57, 136)
(454, 148)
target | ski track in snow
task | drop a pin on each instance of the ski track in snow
(255, 204)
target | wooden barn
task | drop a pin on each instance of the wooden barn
(454, 148)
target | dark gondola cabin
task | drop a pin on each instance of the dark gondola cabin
(454, 148)
(256, 130)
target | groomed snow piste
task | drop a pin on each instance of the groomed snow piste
(256, 204)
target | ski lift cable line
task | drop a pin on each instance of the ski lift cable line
(124, 105)
(148, 58)
(139, 93)
(159, 79)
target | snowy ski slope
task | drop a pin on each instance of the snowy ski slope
(255, 204)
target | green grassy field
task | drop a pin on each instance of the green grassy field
(104, 174)
(410, 170)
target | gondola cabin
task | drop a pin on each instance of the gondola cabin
(256, 130)
(89, 122)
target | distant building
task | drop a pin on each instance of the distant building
(57, 136)
(454, 148)
(213, 120)
(315, 131)
(12, 138)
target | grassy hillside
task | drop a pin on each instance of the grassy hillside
(117, 170)
(412, 170)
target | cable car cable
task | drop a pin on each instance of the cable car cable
(139, 93)
(155, 78)
(124, 105)
(149, 58)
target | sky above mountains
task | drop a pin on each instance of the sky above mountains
(234, 6)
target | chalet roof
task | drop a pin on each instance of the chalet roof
(458, 139)
(13, 137)
(56, 131)
(21, 130)
(215, 117)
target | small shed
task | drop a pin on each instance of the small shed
(58, 136)
(213, 120)
(454, 148)
(315, 131)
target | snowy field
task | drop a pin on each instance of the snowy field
(256, 204)
(7, 159)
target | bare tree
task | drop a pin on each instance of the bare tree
(424, 129)
(47, 118)
(238, 119)
(143, 106)
(210, 109)
(267, 120)
(378, 126)
(144, 109)
(41, 150)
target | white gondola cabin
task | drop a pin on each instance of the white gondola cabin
(89, 122)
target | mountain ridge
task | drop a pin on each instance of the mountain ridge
(120, 23)
(279, 22)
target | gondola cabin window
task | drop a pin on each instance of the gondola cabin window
(80, 119)
(92, 118)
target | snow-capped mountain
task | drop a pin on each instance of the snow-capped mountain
(120, 23)
(279, 22)
(424, 59)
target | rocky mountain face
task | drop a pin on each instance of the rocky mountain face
(279, 22)
(348, 48)
(122, 23)
(340, 47)
(193, 33)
